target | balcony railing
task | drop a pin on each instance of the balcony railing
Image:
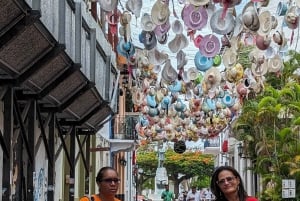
(124, 126)
(212, 142)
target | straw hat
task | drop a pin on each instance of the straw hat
(108, 5)
(266, 23)
(229, 57)
(177, 27)
(202, 62)
(279, 38)
(222, 25)
(160, 12)
(199, 2)
(209, 45)
(250, 17)
(212, 77)
(178, 43)
(135, 7)
(168, 73)
(275, 64)
(181, 59)
(156, 57)
(291, 18)
(192, 73)
(146, 22)
(194, 18)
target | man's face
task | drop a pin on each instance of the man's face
(167, 187)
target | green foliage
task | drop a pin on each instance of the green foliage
(269, 125)
(179, 166)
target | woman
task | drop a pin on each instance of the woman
(108, 183)
(227, 185)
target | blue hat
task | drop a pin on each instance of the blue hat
(125, 49)
(202, 63)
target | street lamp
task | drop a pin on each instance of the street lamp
(241, 150)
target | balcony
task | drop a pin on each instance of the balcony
(124, 126)
(212, 146)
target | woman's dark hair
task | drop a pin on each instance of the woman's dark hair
(102, 171)
(215, 189)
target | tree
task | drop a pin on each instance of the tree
(269, 127)
(179, 166)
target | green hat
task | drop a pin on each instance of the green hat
(217, 60)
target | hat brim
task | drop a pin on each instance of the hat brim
(189, 12)
(209, 46)
(222, 26)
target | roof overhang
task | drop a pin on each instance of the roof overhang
(37, 66)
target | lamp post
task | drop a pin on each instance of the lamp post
(241, 153)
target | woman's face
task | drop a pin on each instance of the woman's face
(109, 184)
(228, 182)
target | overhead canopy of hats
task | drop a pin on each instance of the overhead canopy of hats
(191, 102)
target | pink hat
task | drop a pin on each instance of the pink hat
(194, 18)
(209, 46)
(162, 29)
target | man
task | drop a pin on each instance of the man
(193, 195)
(167, 195)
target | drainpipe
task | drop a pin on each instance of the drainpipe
(78, 25)
(61, 22)
(93, 55)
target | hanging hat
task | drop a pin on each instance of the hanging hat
(168, 73)
(126, 49)
(163, 39)
(181, 59)
(275, 64)
(178, 43)
(259, 69)
(266, 23)
(108, 5)
(217, 60)
(229, 57)
(197, 40)
(222, 25)
(202, 63)
(209, 45)
(281, 8)
(146, 22)
(160, 12)
(135, 7)
(192, 73)
(228, 100)
(263, 42)
(199, 2)
(250, 17)
(125, 18)
(212, 77)
(194, 18)
(162, 29)
(177, 27)
(279, 38)
(291, 18)
(148, 38)
(238, 28)
(259, 65)
(156, 57)
(137, 96)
